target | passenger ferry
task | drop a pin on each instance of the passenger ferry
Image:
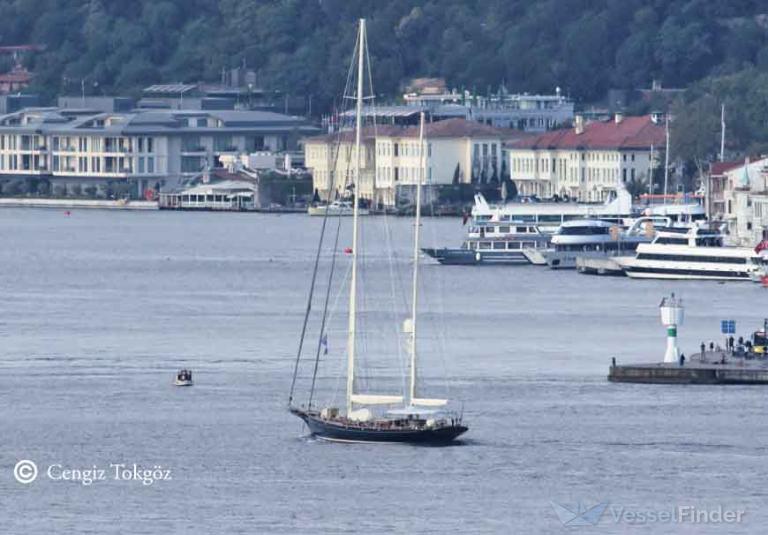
(520, 232)
(548, 216)
(596, 238)
(493, 243)
(694, 253)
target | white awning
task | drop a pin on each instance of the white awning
(376, 399)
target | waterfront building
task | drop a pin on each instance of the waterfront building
(588, 161)
(529, 113)
(331, 159)
(744, 200)
(141, 147)
(458, 152)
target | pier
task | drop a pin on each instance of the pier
(717, 368)
(599, 266)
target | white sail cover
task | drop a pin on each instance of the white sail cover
(376, 399)
(427, 402)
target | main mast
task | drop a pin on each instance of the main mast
(414, 300)
(355, 191)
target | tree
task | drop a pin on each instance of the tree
(694, 132)
(636, 186)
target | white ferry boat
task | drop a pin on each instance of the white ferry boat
(694, 253)
(493, 243)
(595, 238)
(336, 208)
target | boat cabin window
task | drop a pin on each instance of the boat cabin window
(550, 218)
(520, 230)
(513, 245)
(489, 230)
(498, 245)
(583, 231)
(482, 218)
(504, 218)
(672, 241)
(472, 245)
(485, 245)
(712, 241)
(504, 229)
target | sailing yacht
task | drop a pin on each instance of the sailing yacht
(405, 418)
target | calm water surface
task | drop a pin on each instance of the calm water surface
(100, 309)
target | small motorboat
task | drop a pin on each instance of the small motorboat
(184, 378)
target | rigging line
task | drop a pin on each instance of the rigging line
(323, 322)
(325, 313)
(308, 309)
(315, 271)
(334, 256)
(440, 302)
(393, 294)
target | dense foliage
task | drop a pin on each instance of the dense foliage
(302, 46)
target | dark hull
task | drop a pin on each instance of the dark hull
(340, 432)
(466, 257)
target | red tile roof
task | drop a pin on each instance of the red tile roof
(348, 136)
(16, 77)
(458, 127)
(630, 133)
(720, 168)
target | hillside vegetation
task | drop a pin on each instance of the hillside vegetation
(301, 47)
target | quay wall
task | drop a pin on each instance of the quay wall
(78, 203)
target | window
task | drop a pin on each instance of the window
(150, 164)
(498, 245)
(693, 258)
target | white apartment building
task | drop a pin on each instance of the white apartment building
(456, 149)
(745, 201)
(588, 161)
(145, 147)
(332, 160)
(466, 150)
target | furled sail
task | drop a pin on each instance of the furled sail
(428, 402)
(376, 399)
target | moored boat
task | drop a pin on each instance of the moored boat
(692, 253)
(336, 208)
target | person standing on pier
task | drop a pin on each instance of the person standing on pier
(682, 359)
(703, 348)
